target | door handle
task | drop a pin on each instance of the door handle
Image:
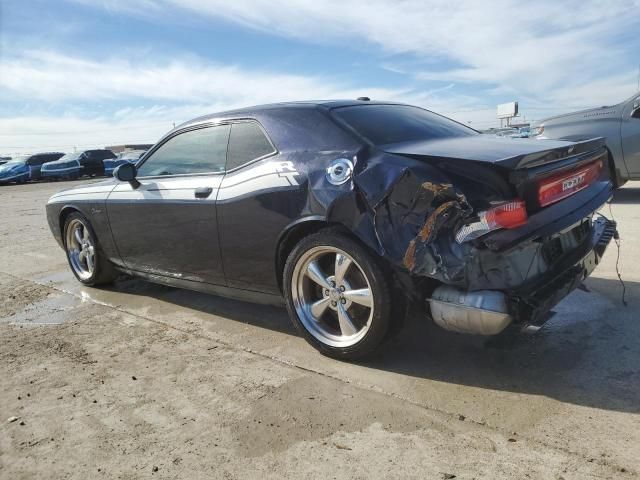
(203, 192)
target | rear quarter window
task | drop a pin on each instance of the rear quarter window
(247, 142)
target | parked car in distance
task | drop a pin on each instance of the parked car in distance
(4, 160)
(501, 132)
(130, 156)
(618, 124)
(509, 132)
(27, 167)
(353, 211)
(74, 165)
(14, 171)
(35, 162)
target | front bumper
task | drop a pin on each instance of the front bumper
(531, 302)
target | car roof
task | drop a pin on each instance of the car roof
(249, 111)
(44, 153)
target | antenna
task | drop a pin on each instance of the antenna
(638, 89)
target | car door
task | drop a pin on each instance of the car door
(259, 196)
(167, 225)
(630, 136)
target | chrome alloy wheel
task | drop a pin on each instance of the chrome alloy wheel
(80, 249)
(332, 296)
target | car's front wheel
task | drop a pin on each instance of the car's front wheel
(88, 263)
(337, 295)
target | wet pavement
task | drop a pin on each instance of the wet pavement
(563, 403)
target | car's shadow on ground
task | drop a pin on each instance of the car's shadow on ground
(588, 354)
(626, 195)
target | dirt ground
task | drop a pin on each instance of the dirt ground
(144, 381)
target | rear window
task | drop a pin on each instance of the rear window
(246, 142)
(384, 124)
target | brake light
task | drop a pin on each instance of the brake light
(565, 184)
(508, 215)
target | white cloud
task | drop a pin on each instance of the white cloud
(54, 77)
(31, 133)
(180, 90)
(531, 48)
(551, 56)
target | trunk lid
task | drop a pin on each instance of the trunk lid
(540, 172)
(509, 153)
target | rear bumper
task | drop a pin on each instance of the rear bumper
(488, 312)
(531, 302)
(553, 218)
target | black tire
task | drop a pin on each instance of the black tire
(381, 292)
(103, 271)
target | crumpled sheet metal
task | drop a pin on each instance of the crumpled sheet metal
(405, 218)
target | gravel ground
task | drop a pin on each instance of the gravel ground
(145, 381)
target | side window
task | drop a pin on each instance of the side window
(247, 142)
(197, 151)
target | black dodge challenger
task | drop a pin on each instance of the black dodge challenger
(354, 211)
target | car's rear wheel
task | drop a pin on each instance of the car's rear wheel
(87, 261)
(337, 295)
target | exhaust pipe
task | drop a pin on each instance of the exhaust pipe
(479, 313)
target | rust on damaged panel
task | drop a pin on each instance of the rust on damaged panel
(427, 231)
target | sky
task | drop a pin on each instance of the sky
(88, 73)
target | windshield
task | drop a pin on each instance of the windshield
(70, 156)
(384, 124)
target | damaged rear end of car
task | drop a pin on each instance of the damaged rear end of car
(487, 232)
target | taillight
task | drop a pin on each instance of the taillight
(563, 185)
(507, 215)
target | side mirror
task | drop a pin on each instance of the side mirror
(127, 173)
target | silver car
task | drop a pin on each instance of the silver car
(618, 124)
